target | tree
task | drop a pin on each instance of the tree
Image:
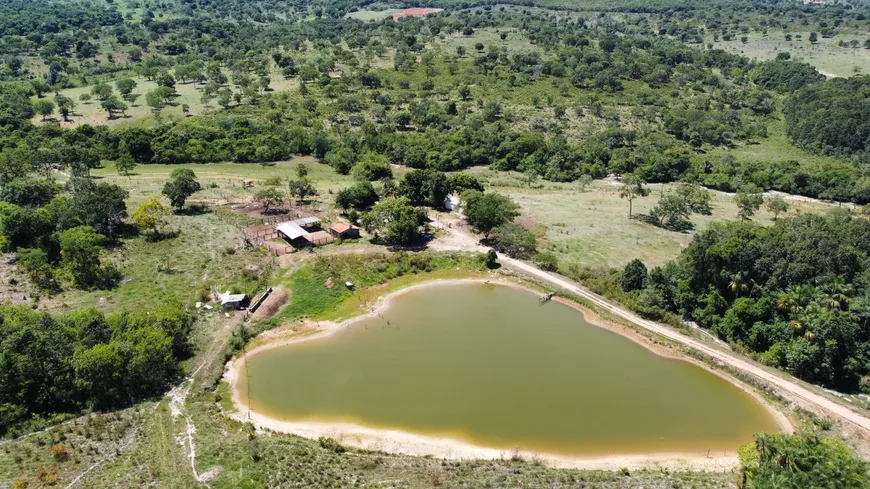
(633, 276)
(491, 259)
(125, 163)
(814, 37)
(80, 249)
(150, 214)
(101, 206)
(159, 97)
(671, 212)
(632, 188)
(515, 240)
(776, 205)
(29, 192)
(372, 167)
(301, 170)
(487, 211)
(394, 220)
(748, 199)
(340, 159)
(359, 196)
(460, 182)
(40, 87)
(125, 87)
(102, 91)
(43, 107)
(696, 198)
(269, 197)
(181, 185)
(531, 176)
(38, 268)
(301, 188)
(112, 105)
(425, 187)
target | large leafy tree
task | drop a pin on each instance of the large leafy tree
(359, 196)
(80, 249)
(269, 198)
(425, 187)
(748, 199)
(101, 206)
(487, 211)
(150, 214)
(515, 240)
(394, 220)
(181, 185)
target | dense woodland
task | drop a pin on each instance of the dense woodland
(86, 360)
(796, 293)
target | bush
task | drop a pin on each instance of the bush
(331, 444)
(546, 261)
(59, 452)
(491, 259)
(633, 277)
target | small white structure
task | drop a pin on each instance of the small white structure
(232, 301)
(451, 203)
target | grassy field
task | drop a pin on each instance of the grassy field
(140, 113)
(825, 55)
(222, 182)
(199, 251)
(371, 15)
(592, 228)
(776, 147)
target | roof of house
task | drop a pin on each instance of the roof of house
(226, 297)
(291, 230)
(306, 221)
(318, 237)
(341, 227)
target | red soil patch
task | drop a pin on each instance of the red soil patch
(270, 306)
(416, 12)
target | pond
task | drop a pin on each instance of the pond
(491, 366)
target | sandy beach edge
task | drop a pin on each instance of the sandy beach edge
(403, 442)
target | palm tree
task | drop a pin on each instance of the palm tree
(738, 284)
(838, 292)
(786, 302)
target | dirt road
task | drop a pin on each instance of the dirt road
(792, 389)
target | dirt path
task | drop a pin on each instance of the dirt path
(791, 388)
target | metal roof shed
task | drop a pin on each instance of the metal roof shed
(291, 230)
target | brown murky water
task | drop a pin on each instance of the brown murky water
(490, 365)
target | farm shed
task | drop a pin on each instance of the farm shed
(308, 223)
(344, 230)
(318, 238)
(292, 232)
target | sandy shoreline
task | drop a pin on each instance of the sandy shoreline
(396, 441)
